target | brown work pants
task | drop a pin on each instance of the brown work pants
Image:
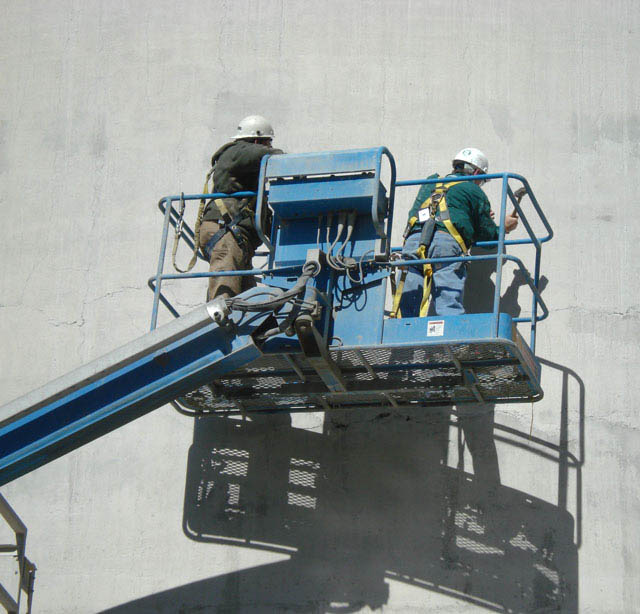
(227, 255)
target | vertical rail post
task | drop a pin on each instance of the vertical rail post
(499, 258)
(163, 248)
(257, 220)
(534, 300)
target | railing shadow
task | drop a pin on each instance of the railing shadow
(480, 288)
(369, 500)
(373, 499)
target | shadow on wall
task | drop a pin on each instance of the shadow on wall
(372, 499)
(480, 288)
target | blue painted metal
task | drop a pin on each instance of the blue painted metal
(499, 261)
(119, 387)
(330, 345)
(310, 194)
(473, 326)
(307, 193)
(327, 182)
(291, 197)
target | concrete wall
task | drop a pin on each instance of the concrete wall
(107, 106)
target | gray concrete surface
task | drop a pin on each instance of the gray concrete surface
(107, 106)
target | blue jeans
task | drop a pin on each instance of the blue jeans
(447, 287)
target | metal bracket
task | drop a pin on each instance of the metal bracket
(317, 355)
(218, 310)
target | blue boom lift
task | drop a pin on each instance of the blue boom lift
(314, 337)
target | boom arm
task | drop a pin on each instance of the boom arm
(121, 386)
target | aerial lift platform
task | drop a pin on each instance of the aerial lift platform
(314, 337)
(331, 211)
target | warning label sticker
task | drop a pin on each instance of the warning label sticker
(435, 328)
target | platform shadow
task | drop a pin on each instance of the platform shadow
(368, 501)
(373, 499)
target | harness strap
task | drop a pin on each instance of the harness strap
(395, 309)
(427, 271)
(438, 209)
(439, 193)
(446, 220)
(201, 208)
(410, 224)
(211, 243)
(196, 230)
(231, 227)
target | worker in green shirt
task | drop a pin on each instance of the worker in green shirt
(446, 220)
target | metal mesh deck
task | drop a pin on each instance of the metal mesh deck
(382, 376)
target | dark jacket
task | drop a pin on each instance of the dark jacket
(236, 168)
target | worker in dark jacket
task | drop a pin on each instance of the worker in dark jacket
(227, 234)
(457, 215)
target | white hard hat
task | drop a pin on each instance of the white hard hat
(254, 127)
(474, 157)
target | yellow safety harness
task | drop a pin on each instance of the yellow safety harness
(436, 204)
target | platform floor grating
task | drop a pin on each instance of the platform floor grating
(375, 377)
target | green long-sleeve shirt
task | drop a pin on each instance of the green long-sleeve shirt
(469, 209)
